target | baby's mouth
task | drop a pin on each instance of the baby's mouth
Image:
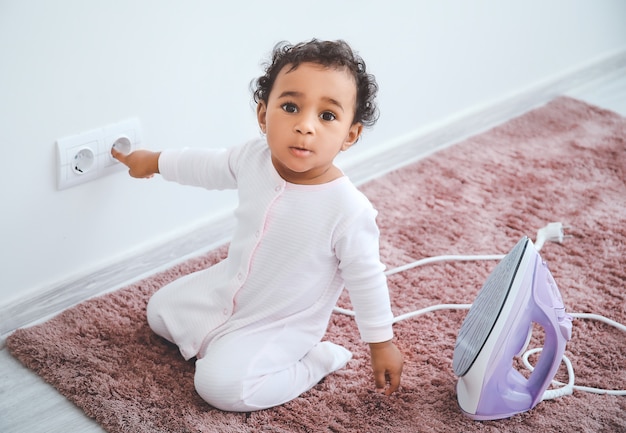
(300, 151)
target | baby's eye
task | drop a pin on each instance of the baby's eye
(289, 107)
(328, 116)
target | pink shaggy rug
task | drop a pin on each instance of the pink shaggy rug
(565, 161)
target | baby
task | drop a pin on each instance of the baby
(255, 321)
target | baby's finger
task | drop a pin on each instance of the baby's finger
(380, 379)
(394, 383)
(117, 154)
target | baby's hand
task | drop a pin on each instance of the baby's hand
(387, 365)
(141, 163)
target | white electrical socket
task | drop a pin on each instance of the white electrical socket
(87, 156)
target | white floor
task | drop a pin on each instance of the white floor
(28, 404)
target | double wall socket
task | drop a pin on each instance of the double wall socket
(87, 156)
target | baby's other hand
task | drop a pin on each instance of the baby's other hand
(387, 364)
(141, 163)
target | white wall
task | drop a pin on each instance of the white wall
(183, 68)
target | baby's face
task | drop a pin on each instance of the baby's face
(308, 121)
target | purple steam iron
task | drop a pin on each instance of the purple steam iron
(519, 291)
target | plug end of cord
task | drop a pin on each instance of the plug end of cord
(553, 232)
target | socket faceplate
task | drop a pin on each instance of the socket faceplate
(77, 149)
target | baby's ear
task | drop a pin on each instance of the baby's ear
(353, 135)
(261, 112)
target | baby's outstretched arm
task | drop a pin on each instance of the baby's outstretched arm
(387, 365)
(141, 163)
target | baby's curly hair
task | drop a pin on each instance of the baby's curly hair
(331, 54)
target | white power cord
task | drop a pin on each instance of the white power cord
(446, 258)
(553, 232)
(568, 389)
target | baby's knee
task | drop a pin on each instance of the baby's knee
(154, 316)
(220, 387)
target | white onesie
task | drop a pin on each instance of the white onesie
(255, 320)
